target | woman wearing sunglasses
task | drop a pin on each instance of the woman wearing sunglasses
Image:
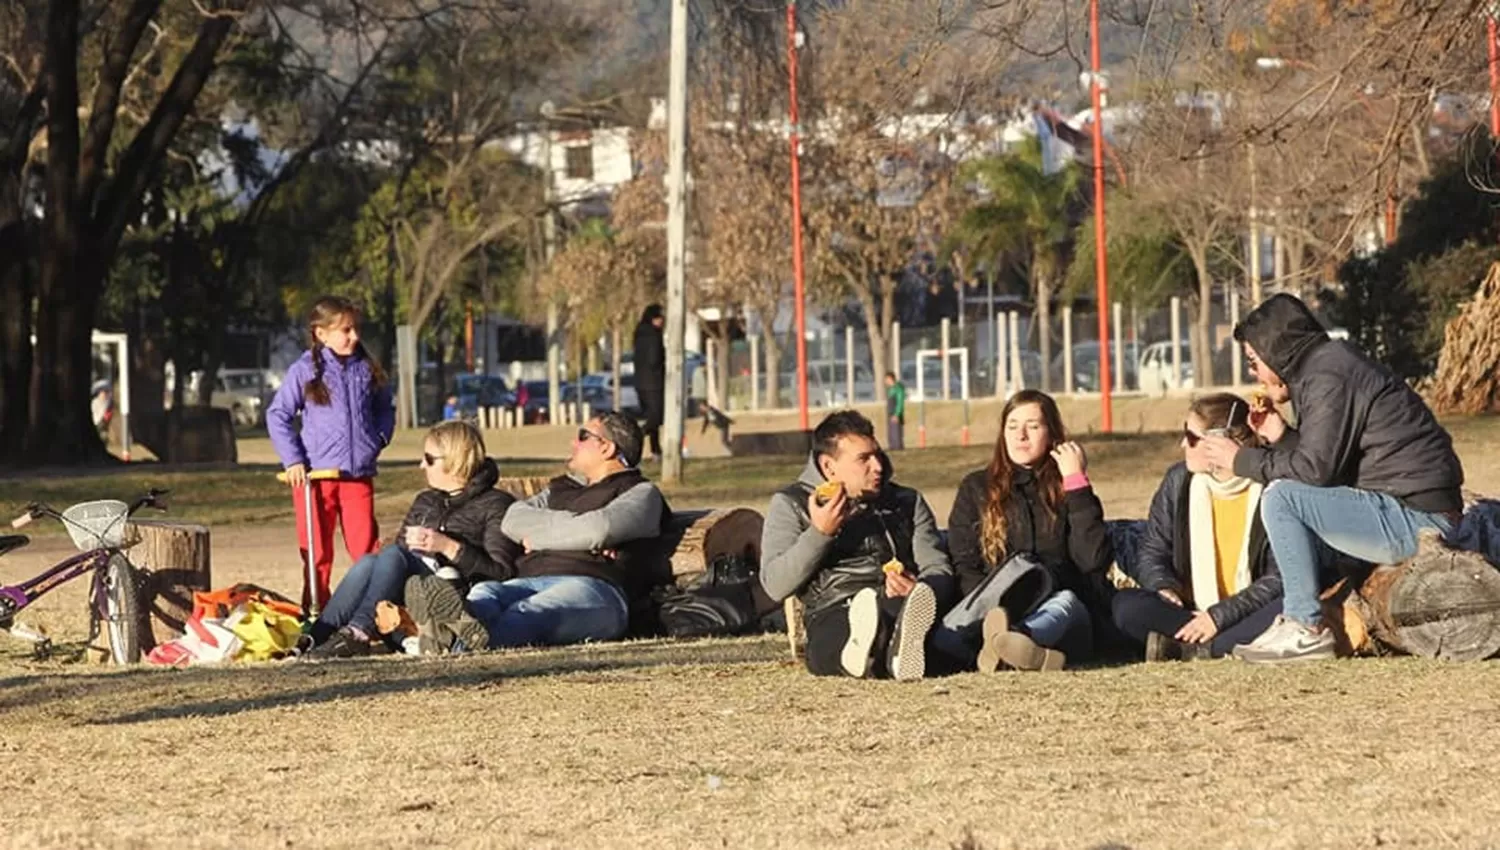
(1207, 579)
(452, 531)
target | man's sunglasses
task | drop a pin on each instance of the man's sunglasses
(584, 435)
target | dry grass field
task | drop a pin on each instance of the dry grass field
(723, 743)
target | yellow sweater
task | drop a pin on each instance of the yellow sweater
(1231, 524)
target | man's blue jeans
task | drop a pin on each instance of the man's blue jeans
(1304, 522)
(549, 610)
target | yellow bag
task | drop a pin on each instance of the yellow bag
(266, 632)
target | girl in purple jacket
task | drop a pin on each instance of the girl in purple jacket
(342, 397)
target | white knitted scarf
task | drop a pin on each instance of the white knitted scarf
(1201, 492)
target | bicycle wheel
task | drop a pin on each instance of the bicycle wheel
(122, 614)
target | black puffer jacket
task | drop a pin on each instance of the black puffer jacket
(1358, 425)
(1165, 558)
(473, 519)
(1073, 545)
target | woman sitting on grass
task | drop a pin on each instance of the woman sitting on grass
(1208, 581)
(452, 529)
(1030, 549)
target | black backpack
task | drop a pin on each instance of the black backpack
(725, 600)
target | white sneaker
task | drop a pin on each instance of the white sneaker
(1287, 641)
(908, 647)
(864, 621)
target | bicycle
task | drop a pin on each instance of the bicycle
(98, 530)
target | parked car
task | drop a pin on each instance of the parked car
(599, 392)
(245, 393)
(1086, 367)
(476, 391)
(1155, 368)
(983, 382)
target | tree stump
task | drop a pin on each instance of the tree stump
(1443, 603)
(698, 537)
(175, 559)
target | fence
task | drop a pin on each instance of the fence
(999, 355)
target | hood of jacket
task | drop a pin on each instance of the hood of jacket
(1283, 332)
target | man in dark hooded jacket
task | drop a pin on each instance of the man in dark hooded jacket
(1366, 469)
(651, 374)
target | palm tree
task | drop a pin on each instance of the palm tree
(1024, 212)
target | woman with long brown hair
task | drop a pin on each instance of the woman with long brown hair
(1029, 546)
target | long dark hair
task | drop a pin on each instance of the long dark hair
(327, 312)
(994, 531)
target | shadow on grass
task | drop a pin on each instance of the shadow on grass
(89, 698)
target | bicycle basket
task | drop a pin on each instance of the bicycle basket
(97, 525)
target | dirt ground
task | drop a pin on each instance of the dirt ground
(729, 744)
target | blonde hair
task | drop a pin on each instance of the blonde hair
(461, 446)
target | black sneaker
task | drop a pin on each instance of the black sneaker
(1160, 647)
(864, 622)
(908, 653)
(443, 623)
(345, 643)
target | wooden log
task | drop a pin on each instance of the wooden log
(176, 558)
(523, 487)
(1443, 603)
(707, 535)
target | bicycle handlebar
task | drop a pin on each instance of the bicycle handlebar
(36, 510)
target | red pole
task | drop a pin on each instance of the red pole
(469, 336)
(1101, 274)
(1494, 81)
(796, 134)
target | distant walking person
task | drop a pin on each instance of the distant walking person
(651, 375)
(895, 413)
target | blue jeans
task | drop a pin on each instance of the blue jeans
(1303, 522)
(1060, 618)
(374, 578)
(549, 610)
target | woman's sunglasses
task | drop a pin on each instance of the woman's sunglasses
(430, 459)
(1193, 438)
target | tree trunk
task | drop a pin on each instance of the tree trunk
(616, 339)
(176, 556)
(1202, 344)
(15, 329)
(773, 367)
(722, 343)
(1042, 279)
(877, 329)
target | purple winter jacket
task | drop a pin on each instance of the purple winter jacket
(346, 434)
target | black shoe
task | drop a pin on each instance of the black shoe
(1160, 647)
(443, 623)
(345, 643)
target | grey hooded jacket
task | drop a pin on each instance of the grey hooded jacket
(797, 558)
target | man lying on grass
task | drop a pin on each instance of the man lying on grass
(862, 554)
(584, 538)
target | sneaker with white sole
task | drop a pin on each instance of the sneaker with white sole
(908, 661)
(864, 622)
(1288, 641)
